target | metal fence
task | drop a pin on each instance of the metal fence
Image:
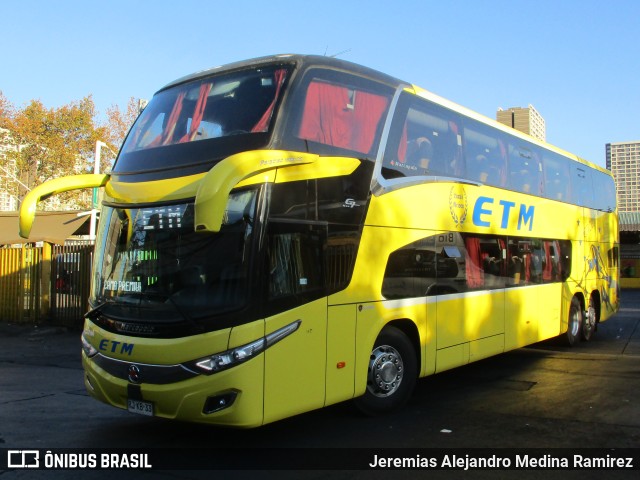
(20, 286)
(45, 283)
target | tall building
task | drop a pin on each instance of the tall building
(623, 159)
(524, 119)
(8, 170)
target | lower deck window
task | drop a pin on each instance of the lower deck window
(454, 262)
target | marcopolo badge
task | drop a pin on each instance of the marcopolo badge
(458, 206)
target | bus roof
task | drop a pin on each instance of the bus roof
(300, 60)
(305, 61)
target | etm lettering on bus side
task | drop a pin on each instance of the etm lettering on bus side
(484, 208)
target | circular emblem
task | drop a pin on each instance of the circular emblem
(458, 204)
(134, 374)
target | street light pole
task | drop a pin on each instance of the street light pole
(94, 203)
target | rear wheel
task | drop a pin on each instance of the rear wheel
(575, 322)
(589, 321)
(391, 375)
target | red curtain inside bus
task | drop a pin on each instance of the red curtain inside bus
(341, 117)
(263, 123)
(198, 113)
(473, 263)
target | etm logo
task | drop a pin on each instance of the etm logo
(486, 212)
(116, 347)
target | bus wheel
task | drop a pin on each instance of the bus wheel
(589, 323)
(392, 373)
(575, 323)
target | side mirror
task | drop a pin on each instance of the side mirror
(214, 189)
(53, 187)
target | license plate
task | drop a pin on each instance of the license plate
(140, 407)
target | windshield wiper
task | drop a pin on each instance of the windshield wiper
(162, 299)
(97, 310)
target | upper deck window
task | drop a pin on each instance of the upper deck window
(214, 107)
(430, 140)
(339, 114)
(425, 139)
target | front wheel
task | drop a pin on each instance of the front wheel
(391, 375)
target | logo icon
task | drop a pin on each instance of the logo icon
(350, 203)
(23, 459)
(458, 205)
(134, 374)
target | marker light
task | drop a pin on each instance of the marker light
(230, 358)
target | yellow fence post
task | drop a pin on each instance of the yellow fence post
(25, 281)
(45, 281)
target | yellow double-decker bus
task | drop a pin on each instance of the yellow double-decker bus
(285, 233)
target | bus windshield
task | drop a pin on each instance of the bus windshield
(197, 118)
(152, 259)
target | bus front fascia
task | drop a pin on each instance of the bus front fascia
(53, 187)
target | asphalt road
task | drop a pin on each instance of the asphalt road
(545, 396)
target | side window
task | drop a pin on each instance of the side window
(337, 200)
(605, 192)
(452, 276)
(556, 177)
(538, 263)
(532, 261)
(519, 262)
(486, 153)
(411, 270)
(425, 139)
(582, 184)
(565, 259)
(454, 263)
(295, 261)
(434, 265)
(487, 255)
(493, 257)
(342, 112)
(552, 271)
(336, 205)
(525, 170)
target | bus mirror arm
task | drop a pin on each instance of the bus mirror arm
(53, 187)
(213, 192)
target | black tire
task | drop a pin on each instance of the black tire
(589, 322)
(392, 373)
(575, 323)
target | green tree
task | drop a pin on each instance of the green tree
(52, 142)
(117, 127)
(6, 109)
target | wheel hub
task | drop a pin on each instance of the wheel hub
(590, 321)
(385, 371)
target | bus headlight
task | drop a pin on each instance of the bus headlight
(230, 358)
(224, 360)
(89, 350)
